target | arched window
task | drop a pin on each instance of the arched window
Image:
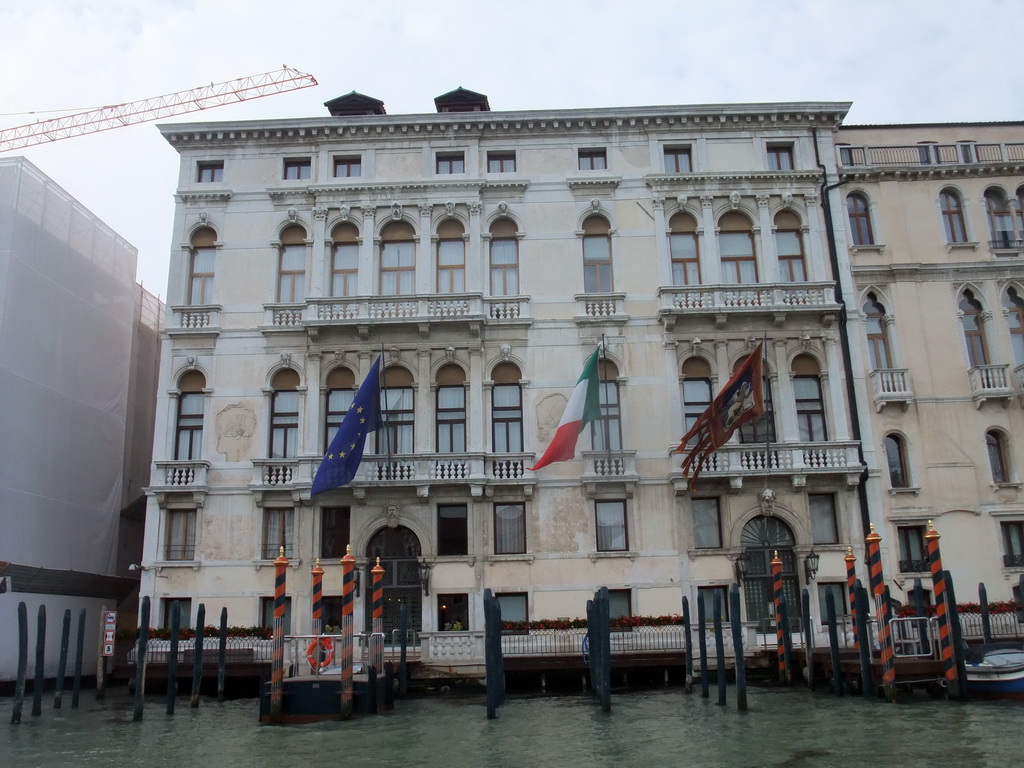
(291, 273)
(953, 216)
(810, 406)
(597, 255)
(398, 405)
(684, 250)
(761, 538)
(397, 259)
(761, 429)
(451, 410)
(896, 459)
(736, 245)
(507, 409)
(504, 258)
(974, 330)
(1014, 306)
(789, 243)
(606, 432)
(284, 415)
(188, 441)
(995, 444)
(200, 270)
(878, 337)
(696, 390)
(1000, 220)
(451, 257)
(344, 260)
(341, 391)
(861, 232)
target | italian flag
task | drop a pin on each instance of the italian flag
(584, 406)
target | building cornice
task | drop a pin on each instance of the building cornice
(939, 273)
(861, 175)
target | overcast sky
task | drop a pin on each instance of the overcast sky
(896, 60)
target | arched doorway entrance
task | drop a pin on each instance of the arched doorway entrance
(399, 550)
(761, 538)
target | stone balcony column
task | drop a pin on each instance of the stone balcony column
(319, 256)
(710, 261)
(475, 405)
(661, 245)
(474, 255)
(365, 280)
(835, 391)
(311, 418)
(768, 253)
(426, 249)
(783, 398)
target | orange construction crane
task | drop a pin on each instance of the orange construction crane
(118, 115)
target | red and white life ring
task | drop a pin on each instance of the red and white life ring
(320, 655)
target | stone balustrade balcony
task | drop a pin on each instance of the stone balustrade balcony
(179, 475)
(195, 320)
(723, 301)
(990, 382)
(891, 385)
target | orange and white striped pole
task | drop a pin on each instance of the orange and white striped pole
(347, 595)
(884, 613)
(851, 588)
(318, 597)
(378, 616)
(941, 612)
(779, 629)
(277, 653)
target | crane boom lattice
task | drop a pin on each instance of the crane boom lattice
(118, 115)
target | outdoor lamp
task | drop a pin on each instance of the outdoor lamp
(425, 577)
(811, 565)
(742, 564)
(355, 573)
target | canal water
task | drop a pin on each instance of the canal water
(783, 728)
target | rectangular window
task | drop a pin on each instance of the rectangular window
(839, 592)
(200, 283)
(823, 518)
(399, 418)
(514, 606)
(451, 419)
(696, 400)
(278, 531)
(780, 157)
(397, 268)
(181, 535)
(509, 529)
(791, 256)
(291, 284)
(707, 523)
(300, 168)
(606, 432)
(284, 425)
(913, 557)
(453, 612)
(620, 603)
(451, 266)
(810, 408)
(345, 270)
(335, 526)
(1013, 544)
(348, 167)
(501, 162)
(739, 266)
(593, 160)
(507, 417)
(209, 172)
(685, 261)
(452, 529)
(338, 403)
(451, 162)
(706, 595)
(267, 613)
(189, 443)
(597, 264)
(504, 267)
(677, 160)
(185, 607)
(611, 526)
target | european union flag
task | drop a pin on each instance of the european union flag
(346, 451)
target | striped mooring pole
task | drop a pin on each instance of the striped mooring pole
(779, 629)
(318, 598)
(378, 617)
(347, 596)
(851, 588)
(277, 657)
(941, 612)
(884, 613)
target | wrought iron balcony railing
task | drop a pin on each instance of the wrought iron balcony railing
(920, 565)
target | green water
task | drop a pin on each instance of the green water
(649, 729)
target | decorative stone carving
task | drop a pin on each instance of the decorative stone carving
(506, 352)
(696, 344)
(424, 209)
(787, 199)
(286, 358)
(449, 353)
(595, 205)
(503, 208)
(393, 354)
(889, 320)
(810, 197)
(474, 209)
(450, 208)
(734, 200)
(345, 212)
(986, 315)
(320, 212)
(763, 199)
(707, 201)
(190, 361)
(396, 211)
(204, 217)
(681, 200)
(658, 201)
(293, 215)
(805, 342)
(768, 502)
(391, 512)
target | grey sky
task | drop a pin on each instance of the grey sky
(906, 61)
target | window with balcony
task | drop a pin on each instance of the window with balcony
(180, 541)
(341, 391)
(510, 529)
(612, 529)
(707, 523)
(291, 270)
(267, 613)
(284, 415)
(335, 532)
(397, 259)
(451, 257)
(810, 405)
(678, 160)
(859, 213)
(878, 336)
(398, 410)
(995, 445)
(1013, 307)
(201, 266)
(706, 600)
(824, 529)
(344, 260)
(684, 249)
(298, 168)
(913, 553)
(211, 171)
(896, 460)
(348, 167)
(736, 248)
(507, 409)
(188, 440)
(761, 429)
(593, 160)
(501, 162)
(1000, 221)
(504, 258)
(780, 157)
(452, 530)
(448, 163)
(952, 208)
(597, 255)
(974, 329)
(606, 431)
(789, 243)
(697, 394)
(451, 410)
(278, 532)
(1013, 543)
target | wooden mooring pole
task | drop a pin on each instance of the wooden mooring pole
(942, 609)
(957, 638)
(197, 655)
(737, 646)
(867, 679)
(19, 686)
(851, 588)
(884, 613)
(403, 668)
(833, 643)
(76, 688)
(348, 563)
(718, 609)
(777, 601)
(40, 674)
(141, 648)
(805, 605)
(702, 647)
(172, 657)
(492, 653)
(986, 620)
(277, 650)
(688, 645)
(62, 663)
(222, 653)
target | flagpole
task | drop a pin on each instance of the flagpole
(767, 432)
(600, 393)
(382, 391)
